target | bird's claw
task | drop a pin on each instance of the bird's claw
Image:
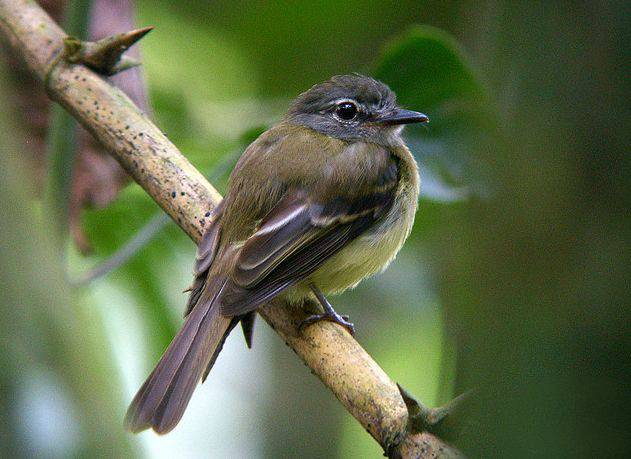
(331, 317)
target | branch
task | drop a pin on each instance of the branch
(155, 163)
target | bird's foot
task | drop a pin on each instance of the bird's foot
(334, 317)
(329, 314)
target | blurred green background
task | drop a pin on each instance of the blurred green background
(515, 281)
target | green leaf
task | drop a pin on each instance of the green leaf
(431, 73)
(429, 70)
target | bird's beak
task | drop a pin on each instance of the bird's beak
(400, 116)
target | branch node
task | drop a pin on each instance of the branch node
(106, 55)
(446, 422)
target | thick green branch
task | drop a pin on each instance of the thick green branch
(156, 164)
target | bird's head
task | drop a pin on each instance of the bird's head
(353, 108)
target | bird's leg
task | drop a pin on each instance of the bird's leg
(329, 313)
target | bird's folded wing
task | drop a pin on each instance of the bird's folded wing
(294, 240)
(205, 256)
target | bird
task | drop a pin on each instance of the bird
(320, 201)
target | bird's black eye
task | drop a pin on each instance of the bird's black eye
(346, 110)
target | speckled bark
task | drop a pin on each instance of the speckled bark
(156, 164)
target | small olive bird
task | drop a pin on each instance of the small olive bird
(315, 204)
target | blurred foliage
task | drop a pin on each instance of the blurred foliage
(59, 394)
(521, 243)
(536, 281)
(427, 68)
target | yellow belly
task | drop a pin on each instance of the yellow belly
(368, 254)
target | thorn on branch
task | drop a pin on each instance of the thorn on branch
(446, 422)
(106, 55)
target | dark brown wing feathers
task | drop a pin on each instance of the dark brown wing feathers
(206, 252)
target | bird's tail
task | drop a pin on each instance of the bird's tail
(162, 399)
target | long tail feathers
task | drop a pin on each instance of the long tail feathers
(162, 399)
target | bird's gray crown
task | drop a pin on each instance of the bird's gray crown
(368, 92)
